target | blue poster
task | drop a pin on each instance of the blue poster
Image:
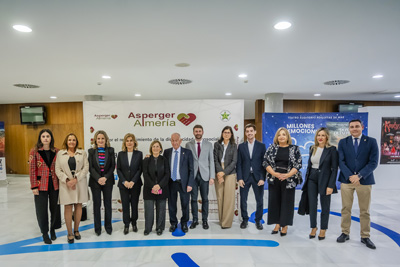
(302, 128)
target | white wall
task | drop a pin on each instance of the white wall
(386, 176)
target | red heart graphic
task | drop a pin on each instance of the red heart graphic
(114, 116)
(186, 119)
(91, 129)
(236, 127)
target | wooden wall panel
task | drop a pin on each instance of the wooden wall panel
(62, 119)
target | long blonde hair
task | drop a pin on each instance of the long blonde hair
(327, 144)
(105, 136)
(134, 141)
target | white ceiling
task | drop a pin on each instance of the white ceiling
(138, 43)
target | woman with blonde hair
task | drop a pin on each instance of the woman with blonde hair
(101, 168)
(283, 162)
(321, 180)
(129, 169)
(72, 167)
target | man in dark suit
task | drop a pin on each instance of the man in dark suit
(250, 172)
(182, 181)
(358, 158)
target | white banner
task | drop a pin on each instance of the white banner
(152, 120)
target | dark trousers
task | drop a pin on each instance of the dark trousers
(107, 195)
(259, 195)
(174, 188)
(312, 189)
(42, 202)
(280, 203)
(130, 202)
(204, 187)
(149, 214)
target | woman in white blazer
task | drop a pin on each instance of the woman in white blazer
(72, 168)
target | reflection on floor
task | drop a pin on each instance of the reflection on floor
(21, 243)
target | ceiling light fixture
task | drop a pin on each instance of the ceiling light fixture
(138, 95)
(228, 94)
(106, 77)
(243, 75)
(22, 28)
(397, 96)
(317, 94)
(283, 25)
(53, 97)
(378, 76)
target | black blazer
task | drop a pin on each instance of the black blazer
(94, 167)
(132, 172)
(327, 170)
(150, 178)
(230, 158)
(244, 162)
(185, 166)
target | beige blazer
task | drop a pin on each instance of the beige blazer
(80, 194)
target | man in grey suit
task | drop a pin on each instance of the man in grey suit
(204, 173)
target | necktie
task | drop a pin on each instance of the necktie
(175, 168)
(355, 145)
(198, 149)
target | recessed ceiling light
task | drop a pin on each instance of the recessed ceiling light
(317, 94)
(377, 76)
(243, 75)
(138, 95)
(53, 97)
(228, 94)
(106, 77)
(22, 28)
(283, 25)
(397, 96)
(182, 65)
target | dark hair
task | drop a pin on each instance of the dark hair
(232, 139)
(355, 120)
(153, 143)
(39, 143)
(198, 126)
(65, 143)
(250, 125)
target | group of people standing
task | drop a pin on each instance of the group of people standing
(59, 177)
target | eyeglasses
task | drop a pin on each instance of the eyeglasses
(227, 133)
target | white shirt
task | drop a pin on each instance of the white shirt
(195, 144)
(250, 146)
(130, 154)
(223, 155)
(178, 176)
(359, 139)
(316, 158)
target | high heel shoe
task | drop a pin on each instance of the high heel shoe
(77, 235)
(313, 230)
(274, 232)
(284, 233)
(320, 236)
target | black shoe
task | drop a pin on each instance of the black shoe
(146, 232)
(159, 232)
(126, 230)
(53, 235)
(98, 232)
(283, 234)
(134, 228)
(205, 225)
(273, 232)
(109, 232)
(173, 227)
(194, 223)
(243, 225)
(321, 237)
(46, 239)
(342, 238)
(368, 243)
(184, 228)
(259, 226)
(70, 241)
(313, 236)
(77, 235)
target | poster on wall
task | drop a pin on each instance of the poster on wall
(3, 175)
(302, 128)
(151, 120)
(390, 140)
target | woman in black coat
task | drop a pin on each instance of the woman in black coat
(101, 169)
(129, 169)
(156, 175)
(321, 179)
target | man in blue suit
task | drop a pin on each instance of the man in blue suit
(358, 158)
(250, 172)
(182, 181)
